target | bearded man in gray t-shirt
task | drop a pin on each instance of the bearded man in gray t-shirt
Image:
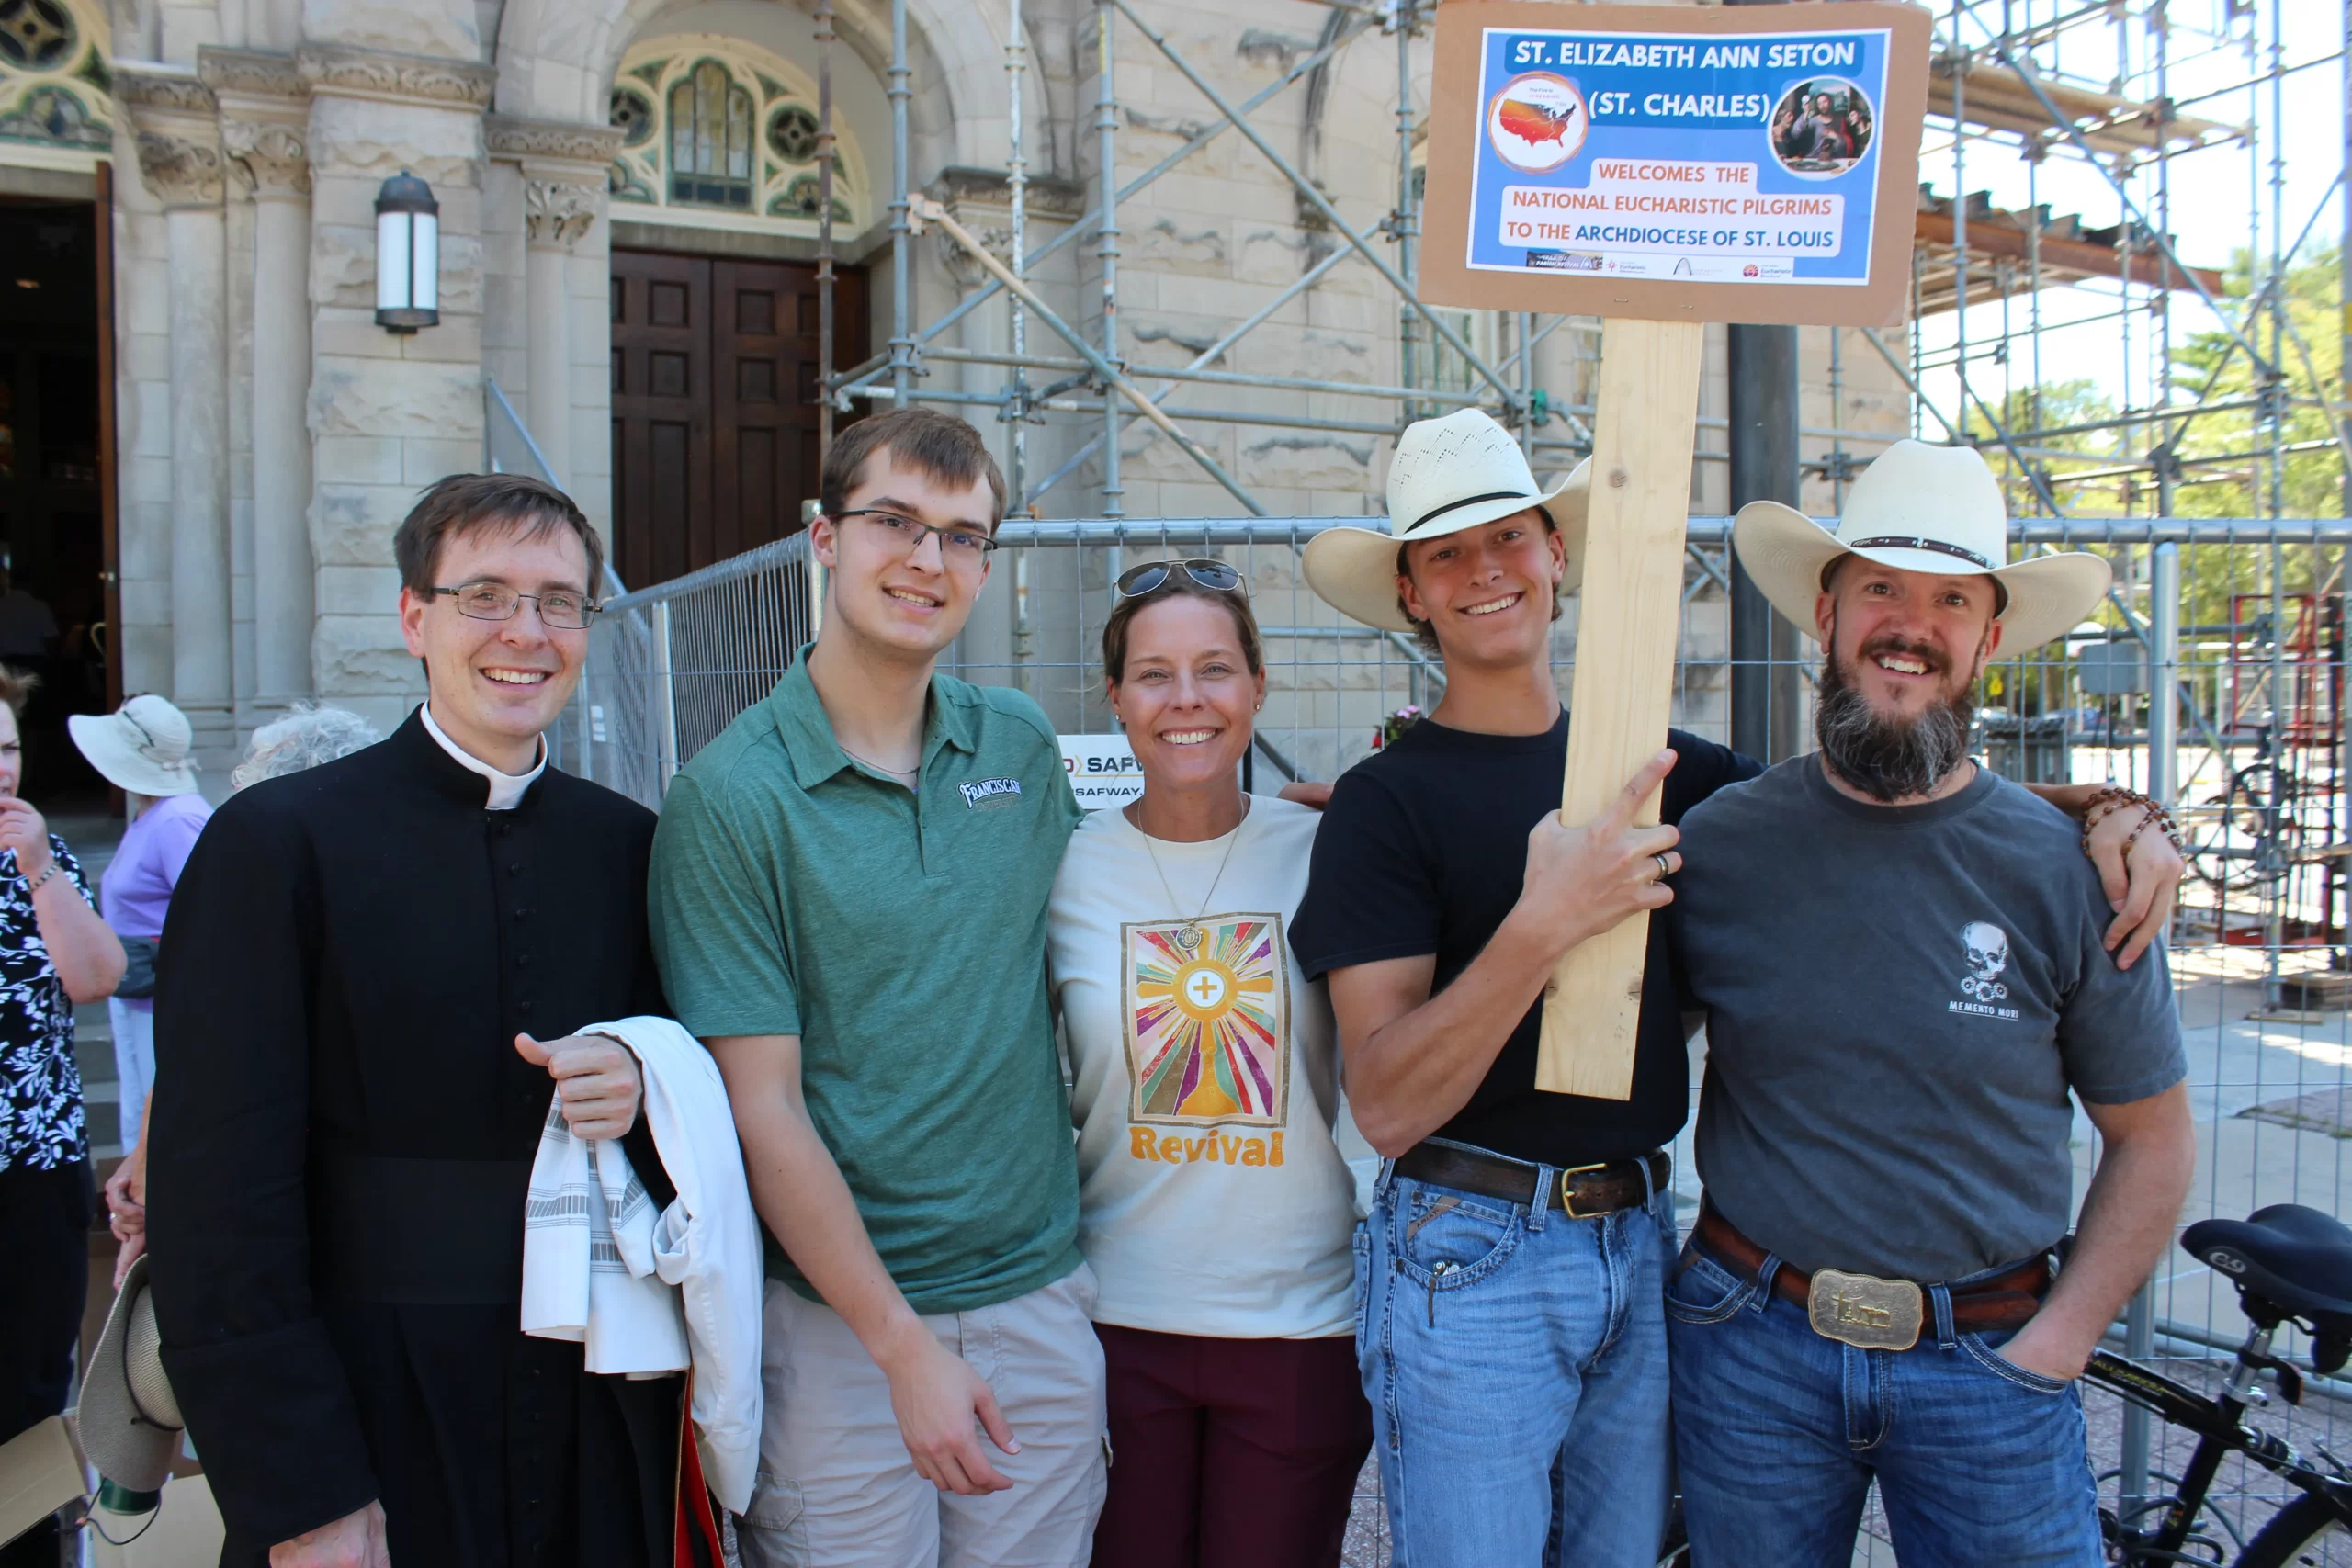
(1905, 965)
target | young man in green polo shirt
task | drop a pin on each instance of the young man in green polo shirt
(849, 892)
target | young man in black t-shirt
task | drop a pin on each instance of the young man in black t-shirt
(1511, 1335)
(1511, 1343)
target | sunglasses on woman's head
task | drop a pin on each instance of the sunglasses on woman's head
(1138, 580)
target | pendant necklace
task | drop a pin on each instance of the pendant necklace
(1189, 935)
(881, 767)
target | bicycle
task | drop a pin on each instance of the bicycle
(2253, 833)
(2290, 1264)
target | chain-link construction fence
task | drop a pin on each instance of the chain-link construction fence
(2242, 621)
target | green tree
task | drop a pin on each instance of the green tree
(2226, 468)
(2063, 406)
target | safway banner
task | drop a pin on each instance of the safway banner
(1103, 770)
(1742, 164)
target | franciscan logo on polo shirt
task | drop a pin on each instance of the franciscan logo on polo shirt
(991, 794)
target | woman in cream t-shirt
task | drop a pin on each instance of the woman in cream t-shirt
(1213, 1205)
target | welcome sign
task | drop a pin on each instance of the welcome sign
(1751, 164)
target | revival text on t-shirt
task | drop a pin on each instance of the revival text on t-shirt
(1206, 1081)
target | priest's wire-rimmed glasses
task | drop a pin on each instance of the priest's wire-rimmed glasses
(496, 602)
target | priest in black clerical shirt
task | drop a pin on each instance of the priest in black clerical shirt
(371, 974)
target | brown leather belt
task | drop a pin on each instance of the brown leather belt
(2005, 1300)
(1585, 1192)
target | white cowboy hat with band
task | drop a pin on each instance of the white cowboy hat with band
(141, 747)
(129, 1419)
(1462, 471)
(1928, 508)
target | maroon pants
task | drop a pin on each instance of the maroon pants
(1233, 1453)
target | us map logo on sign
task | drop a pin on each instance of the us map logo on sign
(1537, 122)
(1989, 957)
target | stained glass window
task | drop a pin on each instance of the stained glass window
(710, 139)
(712, 126)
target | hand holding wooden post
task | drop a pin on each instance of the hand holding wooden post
(1644, 432)
(1638, 163)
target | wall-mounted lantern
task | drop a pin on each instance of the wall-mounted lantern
(408, 254)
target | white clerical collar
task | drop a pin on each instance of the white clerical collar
(507, 790)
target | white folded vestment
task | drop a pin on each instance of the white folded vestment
(648, 1293)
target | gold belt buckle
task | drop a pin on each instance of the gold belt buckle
(1865, 1312)
(1568, 1189)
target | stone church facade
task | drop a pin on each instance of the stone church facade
(628, 194)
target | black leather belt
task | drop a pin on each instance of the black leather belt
(417, 1232)
(1584, 1193)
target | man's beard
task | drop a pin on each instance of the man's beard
(1891, 758)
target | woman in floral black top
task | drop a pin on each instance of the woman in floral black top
(54, 951)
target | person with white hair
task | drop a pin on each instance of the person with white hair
(306, 735)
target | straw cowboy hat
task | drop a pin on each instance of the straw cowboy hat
(142, 747)
(128, 1420)
(1920, 508)
(1462, 471)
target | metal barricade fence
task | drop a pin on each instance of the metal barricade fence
(2240, 619)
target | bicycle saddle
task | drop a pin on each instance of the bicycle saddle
(2298, 1259)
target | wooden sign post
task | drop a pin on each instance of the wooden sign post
(1661, 167)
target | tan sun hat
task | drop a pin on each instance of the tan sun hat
(1462, 471)
(141, 747)
(129, 1419)
(1920, 508)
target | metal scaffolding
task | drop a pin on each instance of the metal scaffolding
(2016, 99)
(1095, 386)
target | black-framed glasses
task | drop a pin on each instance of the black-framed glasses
(496, 602)
(960, 545)
(1152, 575)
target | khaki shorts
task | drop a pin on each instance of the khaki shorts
(837, 1488)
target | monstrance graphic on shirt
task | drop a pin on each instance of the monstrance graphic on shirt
(1208, 1020)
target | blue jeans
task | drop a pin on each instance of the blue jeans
(1779, 1432)
(1515, 1360)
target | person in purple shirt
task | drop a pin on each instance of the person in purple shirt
(141, 749)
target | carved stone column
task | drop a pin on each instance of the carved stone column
(387, 414)
(264, 125)
(564, 170)
(179, 158)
